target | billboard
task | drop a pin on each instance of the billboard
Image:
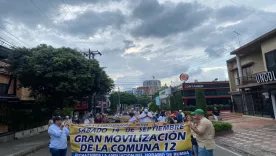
(157, 101)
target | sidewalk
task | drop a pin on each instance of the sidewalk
(254, 136)
(24, 146)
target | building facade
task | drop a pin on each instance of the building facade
(216, 93)
(164, 95)
(252, 76)
(153, 85)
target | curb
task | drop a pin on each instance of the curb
(30, 150)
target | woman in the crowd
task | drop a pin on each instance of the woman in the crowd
(132, 117)
(162, 117)
(193, 137)
(171, 119)
(98, 118)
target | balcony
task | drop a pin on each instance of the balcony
(246, 80)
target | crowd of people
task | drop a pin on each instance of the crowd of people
(85, 119)
(202, 129)
(146, 116)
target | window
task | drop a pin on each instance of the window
(246, 71)
(270, 58)
(3, 89)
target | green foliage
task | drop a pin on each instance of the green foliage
(222, 126)
(143, 100)
(127, 98)
(179, 101)
(187, 112)
(58, 74)
(166, 107)
(173, 105)
(67, 111)
(201, 101)
(114, 103)
(153, 107)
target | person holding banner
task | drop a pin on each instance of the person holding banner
(193, 137)
(162, 117)
(58, 138)
(205, 133)
(132, 118)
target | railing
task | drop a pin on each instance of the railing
(249, 79)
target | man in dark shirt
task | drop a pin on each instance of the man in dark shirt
(216, 113)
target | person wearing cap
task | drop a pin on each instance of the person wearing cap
(67, 121)
(146, 116)
(205, 133)
(58, 138)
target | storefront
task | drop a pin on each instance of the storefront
(260, 97)
(216, 93)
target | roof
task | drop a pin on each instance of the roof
(232, 59)
(206, 82)
(258, 40)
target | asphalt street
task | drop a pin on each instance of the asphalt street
(219, 151)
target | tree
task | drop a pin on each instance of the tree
(58, 74)
(127, 98)
(166, 107)
(143, 100)
(153, 107)
(201, 101)
(173, 105)
(114, 100)
(179, 101)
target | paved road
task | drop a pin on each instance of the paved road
(220, 151)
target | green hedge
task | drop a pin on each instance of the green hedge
(222, 126)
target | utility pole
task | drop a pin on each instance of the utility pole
(91, 55)
(119, 100)
(240, 77)
(102, 103)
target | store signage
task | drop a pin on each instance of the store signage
(82, 105)
(193, 86)
(265, 77)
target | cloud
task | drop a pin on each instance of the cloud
(128, 44)
(139, 39)
(161, 20)
(214, 51)
(231, 13)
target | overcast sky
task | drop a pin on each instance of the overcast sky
(142, 38)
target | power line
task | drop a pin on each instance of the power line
(14, 36)
(253, 12)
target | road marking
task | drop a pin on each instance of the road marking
(228, 150)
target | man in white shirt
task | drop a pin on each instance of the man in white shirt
(146, 116)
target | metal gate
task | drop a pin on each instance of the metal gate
(257, 104)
